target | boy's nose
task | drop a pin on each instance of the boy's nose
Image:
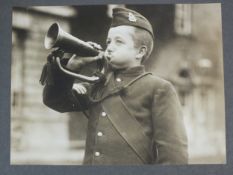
(110, 47)
(109, 50)
(108, 54)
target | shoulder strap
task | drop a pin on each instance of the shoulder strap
(127, 125)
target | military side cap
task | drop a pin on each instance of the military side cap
(124, 16)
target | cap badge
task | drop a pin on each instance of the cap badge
(132, 18)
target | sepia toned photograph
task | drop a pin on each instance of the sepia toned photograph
(117, 84)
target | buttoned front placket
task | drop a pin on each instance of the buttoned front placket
(104, 128)
(100, 138)
(104, 141)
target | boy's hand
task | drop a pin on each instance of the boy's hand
(95, 45)
(55, 53)
(79, 88)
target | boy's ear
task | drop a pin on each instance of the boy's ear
(141, 52)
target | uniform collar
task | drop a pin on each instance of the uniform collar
(134, 71)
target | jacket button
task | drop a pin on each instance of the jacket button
(118, 79)
(97, 153)
(103, 114)
(99, 134)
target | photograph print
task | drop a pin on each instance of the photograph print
(117, 84)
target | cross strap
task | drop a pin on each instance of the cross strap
(126, 124)
(128, 127)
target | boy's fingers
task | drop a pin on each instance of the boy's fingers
(73, 56)
(80, 89)
(76, 89)
(100, 56)
(83, 90)
(95, 45)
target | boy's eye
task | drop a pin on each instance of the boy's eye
(116, 41)
(108, 42)
(119, 41)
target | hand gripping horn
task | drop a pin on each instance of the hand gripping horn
(58, 38)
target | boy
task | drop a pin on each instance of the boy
(134, 117)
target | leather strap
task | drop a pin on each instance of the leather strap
(127, 126)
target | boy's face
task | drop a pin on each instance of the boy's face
(121, 52)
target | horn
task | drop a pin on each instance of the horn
(58, 38)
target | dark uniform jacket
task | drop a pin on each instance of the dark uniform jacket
(152, 102)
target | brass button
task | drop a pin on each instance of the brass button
(97, 153)
(118, 80)
(103, 114)
(99, 134)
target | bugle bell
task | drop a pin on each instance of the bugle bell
(57, 38)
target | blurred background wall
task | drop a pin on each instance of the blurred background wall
(188, 52)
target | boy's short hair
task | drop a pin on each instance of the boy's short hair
(143, 37)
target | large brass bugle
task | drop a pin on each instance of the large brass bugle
(57, 38)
